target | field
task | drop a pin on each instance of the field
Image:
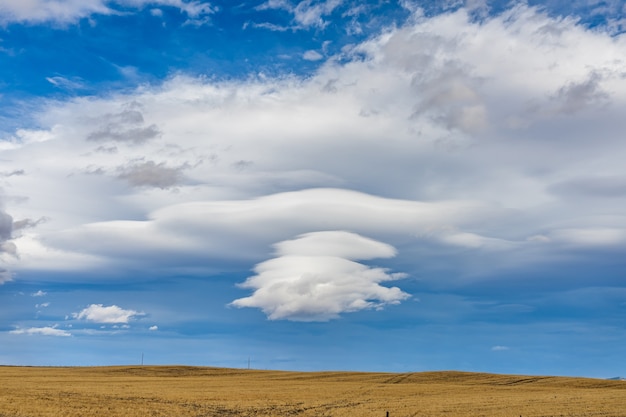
(193, 391)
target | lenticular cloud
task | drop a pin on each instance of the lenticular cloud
(315, 278)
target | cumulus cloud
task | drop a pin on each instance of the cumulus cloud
(99, 313)
(314, 278)
(43, 331)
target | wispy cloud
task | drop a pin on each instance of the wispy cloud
(306, 13)
(43, 331)
(65, 83)
(499, 348)
(69, 11)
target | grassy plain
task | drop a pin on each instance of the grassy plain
(180, 391)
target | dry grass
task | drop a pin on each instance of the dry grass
(192, 391)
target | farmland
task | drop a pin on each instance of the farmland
(179, 391)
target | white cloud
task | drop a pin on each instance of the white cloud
(36, 11)
(235, 229)
(153, 328)
(65, 83)
(44, 331)
(310, 12)
(307, 13)
(499, 348)
(98, 313)
(69, 11)
(39, 293)
(314, 278)
(448, 138)
(312, 56)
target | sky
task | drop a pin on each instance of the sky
(311, 185)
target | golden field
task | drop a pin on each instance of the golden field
(180, 391)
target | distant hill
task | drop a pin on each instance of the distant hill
(617, 378)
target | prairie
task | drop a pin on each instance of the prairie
(131, 391)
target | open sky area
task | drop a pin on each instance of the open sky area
(314, 185)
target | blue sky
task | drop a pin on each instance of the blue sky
(314, 185)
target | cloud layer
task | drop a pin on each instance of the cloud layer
(477, 146)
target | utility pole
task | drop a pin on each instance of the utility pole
(141, 358)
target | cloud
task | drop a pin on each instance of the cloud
(43, 331)
(9, 231)
(98, 313)
(6, 226)
(266, 25)
(314, 278)
(153, 328)
(499, 348)
(37, 11)
(65, 83)
(591, 186)
(312, 56)
(592, 237)
(307, 13)
(230, 230)
(151, 175)
(310, 13)
(5, 276)
(13, 173)
(8, 249)
(574, 97)
(39, 293)
(431, 137)
(69, 11)
(126, 126)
